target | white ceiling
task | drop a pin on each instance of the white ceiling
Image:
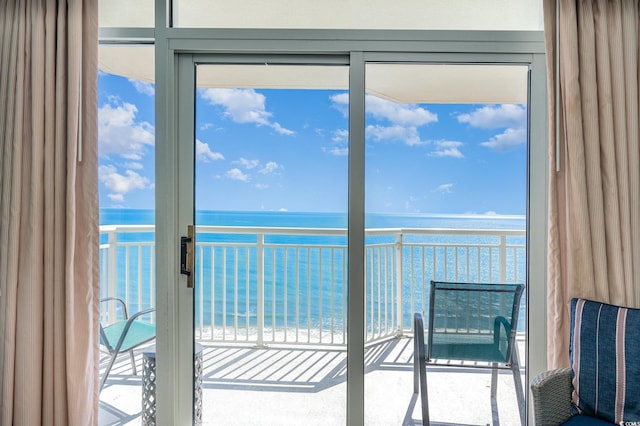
(401, 83)
(525, 15)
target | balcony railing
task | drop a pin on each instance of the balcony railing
(289, 285)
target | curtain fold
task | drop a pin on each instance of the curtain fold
(49, 265)
(594, 198)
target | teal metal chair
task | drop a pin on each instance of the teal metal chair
(124, 335)
(472, 323)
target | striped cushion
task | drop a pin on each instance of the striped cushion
(605, 358)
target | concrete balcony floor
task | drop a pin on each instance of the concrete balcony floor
(294, 385)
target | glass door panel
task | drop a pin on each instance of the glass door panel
(445, 199)
(126, 176)
(271, 242)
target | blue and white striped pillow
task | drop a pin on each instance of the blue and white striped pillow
(605, 359)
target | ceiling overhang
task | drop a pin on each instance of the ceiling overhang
(400, 83)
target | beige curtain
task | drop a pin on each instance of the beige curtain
(594, 198)
(49, 278)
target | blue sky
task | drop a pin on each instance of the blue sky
(287, 150)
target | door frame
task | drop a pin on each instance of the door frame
(177, 53)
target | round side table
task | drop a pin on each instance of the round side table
(149, 386)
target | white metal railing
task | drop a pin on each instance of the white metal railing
(289, 285)
(127, 266)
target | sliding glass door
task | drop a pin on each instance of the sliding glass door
(446, 200)
(306, 193)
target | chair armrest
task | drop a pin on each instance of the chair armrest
(508, 334)
(141, 313)
(551, 392)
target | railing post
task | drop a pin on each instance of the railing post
(399, 284)
(503, 258)
(112, 271)
(260, 277)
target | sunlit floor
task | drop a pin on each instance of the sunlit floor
(292, 386)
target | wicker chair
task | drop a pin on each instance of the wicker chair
(551, 392)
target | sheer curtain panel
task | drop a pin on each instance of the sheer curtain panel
(49, 243)
(594, 192)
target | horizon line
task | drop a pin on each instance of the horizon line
(449, 215)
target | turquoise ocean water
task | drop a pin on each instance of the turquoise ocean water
(320, 220)
(317, 314)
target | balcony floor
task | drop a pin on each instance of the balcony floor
(283, 385)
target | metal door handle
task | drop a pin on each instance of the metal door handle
(186, 255)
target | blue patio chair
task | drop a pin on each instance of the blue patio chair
(602, 384)
(124, 335)
(475, 324)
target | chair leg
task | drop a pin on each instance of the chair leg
(424, 400)
(106, 373)
(420, 368)
(494, 394)
(133, 362)
(517, 380)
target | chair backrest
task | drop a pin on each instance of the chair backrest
(471, 321)
(604, 352)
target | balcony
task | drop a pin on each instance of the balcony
(282, 289)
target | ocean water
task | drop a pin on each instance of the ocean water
(320, 220)
(316, 305)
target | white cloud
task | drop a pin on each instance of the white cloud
(490, 213)
(148, 89)
(279, 129)
(271, 167)
(341, 139)
(116, 197)
(236, 174)
(496, 116)
(339, 152)
(204, 153)
(244, 106)
(445, 188)
(261, 186)
(133, 165)
(121, 184)
(513, 117)
(341, 103)
(407, 135)
(507, 140)
(404, 118)
(409, 204)
(447, 149)
(340, 135)
(247, 164)
(119, 133)
(399, 114)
